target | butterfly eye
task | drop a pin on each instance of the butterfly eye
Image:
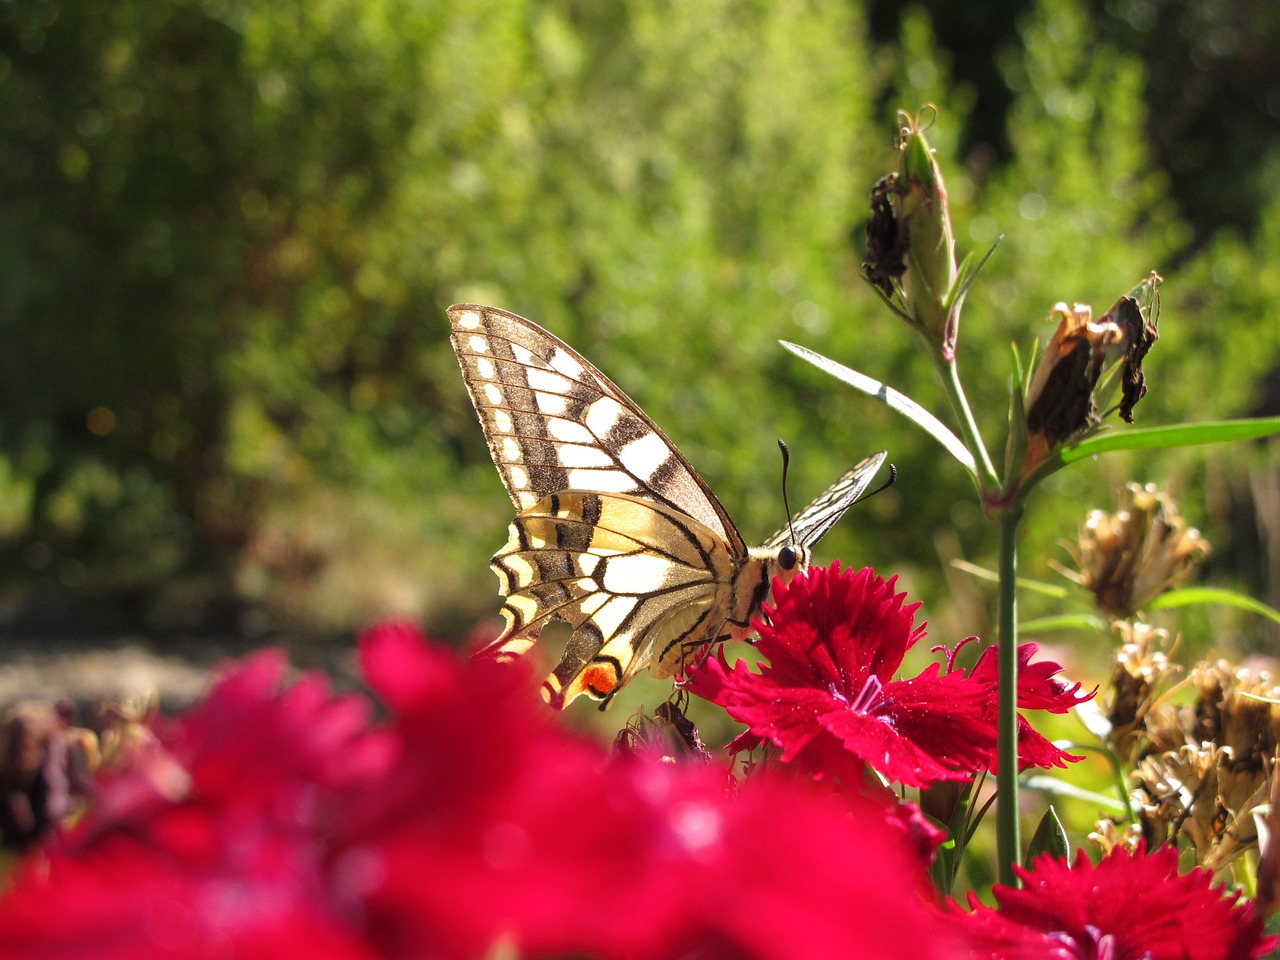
(788, 559)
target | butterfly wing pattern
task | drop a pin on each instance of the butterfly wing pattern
(615, 533)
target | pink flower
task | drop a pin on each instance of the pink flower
(277, 820)
(1037, 690)
(214, 844)
(498, 827)
(1128, 907)
(828, 698)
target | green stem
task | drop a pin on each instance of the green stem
(988, 482)
(1008, 843)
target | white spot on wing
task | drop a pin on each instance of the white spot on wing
(551, 404)
(644, 456)
(638, 573)
(492, 394)
(611, 614)
(511, 450)
(469, 320)
(502, 420)
(602, 415)
(548, 381)
(478, 344)
(519, 478)
(568, 430)
(527, 607)
(486, 368)
(591, 604)
(520, 568)
(563, 362)
(601, 481)
(573, 455)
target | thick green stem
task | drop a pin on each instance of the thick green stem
(1008, 843)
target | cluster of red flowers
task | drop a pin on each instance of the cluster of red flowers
(280, 819)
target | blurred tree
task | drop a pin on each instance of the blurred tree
(228, 230)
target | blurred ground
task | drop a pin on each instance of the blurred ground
(90, 668)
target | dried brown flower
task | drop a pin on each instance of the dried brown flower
(1060, 400)
(1130, 557)
(1140, 675)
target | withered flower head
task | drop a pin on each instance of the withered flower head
(1210, 767)
(886, 238)
(911, 248)
(669, 733)
(1107, 835)
(1237, 707)
(1203, 794)
(45, 765)
(1060, 400)
(1139, 335)
(1140, 675)
(1063, 395)
(1268, 893)
(1130, 557)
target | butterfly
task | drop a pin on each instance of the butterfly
(615, 533)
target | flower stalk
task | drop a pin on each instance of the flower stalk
(1008, 840)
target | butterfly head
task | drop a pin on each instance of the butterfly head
(791, 558)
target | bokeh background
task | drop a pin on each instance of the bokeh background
(229, 230)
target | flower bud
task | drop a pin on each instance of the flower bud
(911, 250)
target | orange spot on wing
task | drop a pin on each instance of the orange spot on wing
(600, 679)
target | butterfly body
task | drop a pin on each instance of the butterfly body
(615, 532)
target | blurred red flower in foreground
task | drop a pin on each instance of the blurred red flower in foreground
(277, 820)
(1128, 907)
(834, 640)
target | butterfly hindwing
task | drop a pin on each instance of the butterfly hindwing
(635, 580)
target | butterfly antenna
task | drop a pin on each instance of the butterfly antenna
(893, 478)
(786, 505)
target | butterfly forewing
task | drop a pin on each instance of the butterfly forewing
(554, 422)
(812, 523)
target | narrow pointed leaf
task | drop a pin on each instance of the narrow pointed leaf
(1044, 784)
(1180, 435)
(1035, 586)
(1050, 837)
(1065, 621)
(1189, 596)
(891, 398)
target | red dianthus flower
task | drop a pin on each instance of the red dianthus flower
(1128, 907)
(828, 698)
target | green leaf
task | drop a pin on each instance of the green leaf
(891, 398)
(1065, 621)
(1035, 586)
(1061, 788)
(1189, 596)
(1179, 435)
(1050, 837)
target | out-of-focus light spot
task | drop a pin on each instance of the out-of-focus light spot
(101, 421)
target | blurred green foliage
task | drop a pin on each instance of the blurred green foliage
(229, 228)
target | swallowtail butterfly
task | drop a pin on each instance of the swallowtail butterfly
(615, 533)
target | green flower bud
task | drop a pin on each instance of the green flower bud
(911, 249)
